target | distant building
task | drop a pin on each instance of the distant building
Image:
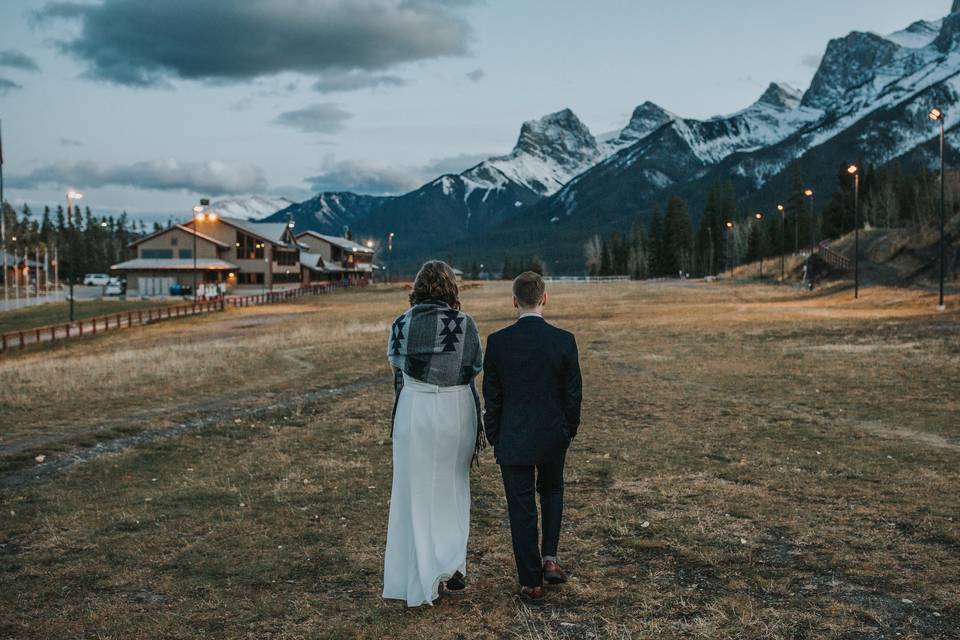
(333, 259)
(240, 253)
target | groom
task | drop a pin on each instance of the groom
(532, 393)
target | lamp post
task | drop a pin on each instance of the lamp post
(937, 115)
(855, 172)
(759, 217)
(389, 254)
(71, 196)
(813, 225)
(199, 213)
(728, 229)
(783, 241)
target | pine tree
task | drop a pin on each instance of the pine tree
(508, 273)
(656, 244)
(605, 269)
(677, 238)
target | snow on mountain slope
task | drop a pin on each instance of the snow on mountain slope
(549, 152)
(250, 207)
(918, 35)
(645, 119)
(329, 212)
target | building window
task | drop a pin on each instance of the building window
(287, 277)
(249, 278)
(156, 254)
(287, 258)
(186, 254)
(173, 241)
(248, 247)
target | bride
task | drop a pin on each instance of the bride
(434, 349)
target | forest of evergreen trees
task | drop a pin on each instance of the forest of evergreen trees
(670, 245)
(90, 245)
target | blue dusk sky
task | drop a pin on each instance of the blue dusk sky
(147, 105)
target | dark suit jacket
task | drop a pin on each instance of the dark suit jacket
(532, 392)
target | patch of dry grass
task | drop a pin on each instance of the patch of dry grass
(753, 464)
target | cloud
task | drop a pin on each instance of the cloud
(15, 59)
(333, 81)
(323, 117)
(811, 60)
(213, 178)
(136, 43)
(6, 86)
(70, 142)
(453, 164)
(363, 177)
(476, 75)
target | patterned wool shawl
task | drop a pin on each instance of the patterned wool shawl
(437, 344)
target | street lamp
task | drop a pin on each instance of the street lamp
(728, 229)
(759, 217)
(199, 214)
(390, 237)
(937, 115)
(783, 241)
(71, 196)
(855, 172)
(813, 224)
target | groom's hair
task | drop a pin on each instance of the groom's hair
(528, 288)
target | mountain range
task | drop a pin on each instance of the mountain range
(867, 102)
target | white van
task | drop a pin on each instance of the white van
(96, 279)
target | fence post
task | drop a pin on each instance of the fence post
(67, 327)
(94, 325)
(38, 335)
(21, 339)
(3, 342)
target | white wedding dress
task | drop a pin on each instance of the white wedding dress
(434, 433)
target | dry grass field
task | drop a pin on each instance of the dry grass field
(754, 463)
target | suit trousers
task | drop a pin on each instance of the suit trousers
(519, 484)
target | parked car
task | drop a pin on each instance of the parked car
(96, 279)
(116, 287)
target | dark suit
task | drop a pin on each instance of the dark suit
(532, 393)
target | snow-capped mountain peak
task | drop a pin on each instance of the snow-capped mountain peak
(250, 207)
(556, 135)
(918, 35)
(849, 62)
(549, 152)
(781, 96)
(645, 119)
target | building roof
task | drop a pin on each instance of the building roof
(275, 232)
(183, 228)
(163, 264)
(314, 262)
(343, 243)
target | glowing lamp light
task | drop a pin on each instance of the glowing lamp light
(936, 114)
(729, 225)
(74, 195)
(369, 244)
(852, 169)
(780, 208)
(758, 216)
(808, 193)
(212, 217)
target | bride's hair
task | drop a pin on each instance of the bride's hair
(436, 281)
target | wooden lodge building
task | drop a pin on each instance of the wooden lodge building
(241, 254)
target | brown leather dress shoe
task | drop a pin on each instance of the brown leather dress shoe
(532, 595)
(552, 573)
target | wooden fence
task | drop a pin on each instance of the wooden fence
(100, 324)
(831, 257)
